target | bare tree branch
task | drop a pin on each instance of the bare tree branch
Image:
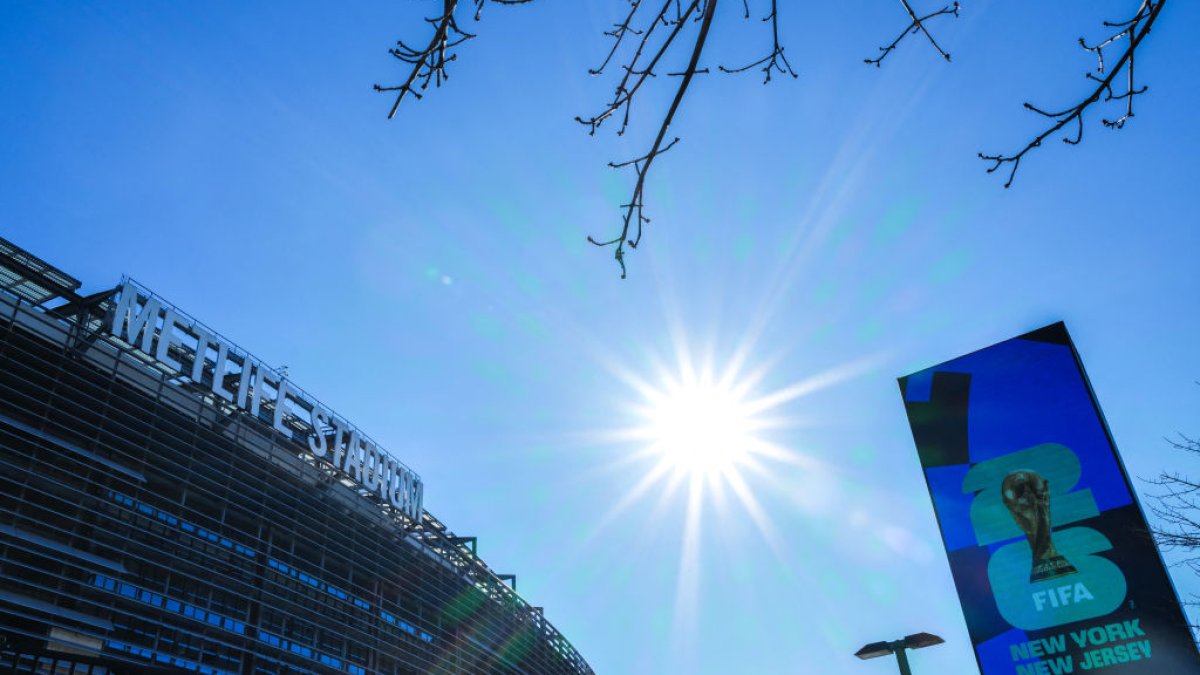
(1135, 30)
(634, 217)
(1177, 507)
(771, 60)
(636, 76)
(429, 63)
(479, 5)
(654, 41)
(651, 29)
(916, 26)
(618, 33)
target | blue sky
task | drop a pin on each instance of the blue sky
(428, 276)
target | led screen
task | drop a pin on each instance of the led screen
(1047, 545)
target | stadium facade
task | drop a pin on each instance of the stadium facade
(170, 503)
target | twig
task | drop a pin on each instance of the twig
(771, 60)
(429, 64)
(634, 216)
(1135, 29)
(625, 92)
(618, 33)
(916, 26)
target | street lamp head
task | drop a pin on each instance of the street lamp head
(919, 640)
(898, 647)
(874, 650)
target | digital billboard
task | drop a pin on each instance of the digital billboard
(1049, 550)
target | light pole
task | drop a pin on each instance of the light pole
(898, 647)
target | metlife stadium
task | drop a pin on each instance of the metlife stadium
(168, 503)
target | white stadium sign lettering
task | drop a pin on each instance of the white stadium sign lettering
(189, 348)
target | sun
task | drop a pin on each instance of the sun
(713, 434)
(704, 440)
(700, 427)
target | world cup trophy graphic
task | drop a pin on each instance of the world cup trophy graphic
(1027, 496)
